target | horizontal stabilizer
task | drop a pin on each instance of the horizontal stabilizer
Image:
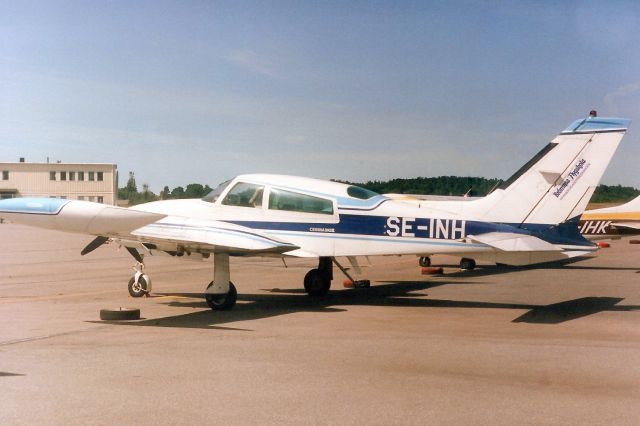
(626, 225)
(508, 241)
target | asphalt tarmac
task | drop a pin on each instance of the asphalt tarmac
(552, 345)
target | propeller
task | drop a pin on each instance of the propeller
(97, 242)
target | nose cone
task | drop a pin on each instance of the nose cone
(49, 206)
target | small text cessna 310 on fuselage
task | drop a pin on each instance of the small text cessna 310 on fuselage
(531, 218)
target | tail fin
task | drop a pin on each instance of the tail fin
(557, 183)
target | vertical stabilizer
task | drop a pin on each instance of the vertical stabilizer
(556, 184)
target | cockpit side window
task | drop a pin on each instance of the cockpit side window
(212, 196)
(294, 202)
(244, 195)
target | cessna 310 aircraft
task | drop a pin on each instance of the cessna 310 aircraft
(531, 218)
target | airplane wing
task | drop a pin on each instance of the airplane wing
(132, 228)
(508, 241)
(208, 236)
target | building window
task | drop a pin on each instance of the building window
(100, 176)
(81, 197)
(5, 175)
(72, 175)
(80, 175)
(63, 175)
(101, 200)
(52, 175)
(92, 176)
(91, 198)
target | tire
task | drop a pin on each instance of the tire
(424, 261)
(120, 314)
(315, 284)
(222, 302)
(467, 264)
(138, 289)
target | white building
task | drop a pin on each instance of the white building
(74, 181)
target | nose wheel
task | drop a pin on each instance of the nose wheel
(138, 288)
(139, 283)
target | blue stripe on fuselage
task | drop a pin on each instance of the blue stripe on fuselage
(421, 228)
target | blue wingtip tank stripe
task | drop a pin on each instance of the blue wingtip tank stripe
(46, 206)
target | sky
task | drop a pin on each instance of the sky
(201, 91)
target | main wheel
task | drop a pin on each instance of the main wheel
(139, 288)
(424, 261)
(222, 302)
(316, 284)
(467, 264)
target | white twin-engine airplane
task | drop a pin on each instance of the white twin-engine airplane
(531, 218)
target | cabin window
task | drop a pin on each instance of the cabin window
(361, 193)
(244, 195)
(294, 202)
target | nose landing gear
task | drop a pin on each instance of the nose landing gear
(139, 283)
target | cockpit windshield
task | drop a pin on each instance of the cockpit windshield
(361, 193)
(212, 196)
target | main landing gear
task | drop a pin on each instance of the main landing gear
(317, 282)
(424, 261)
(466, 264)
(221, 294)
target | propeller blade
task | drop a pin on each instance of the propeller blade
(97, 242)
(133, 252)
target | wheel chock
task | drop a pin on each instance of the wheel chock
(432, 270)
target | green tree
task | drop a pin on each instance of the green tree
(194, 190)
(165, 193)
(177, 192)
(131, 183)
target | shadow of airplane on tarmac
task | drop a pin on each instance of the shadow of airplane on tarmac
(5, 374)
(400, 294)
